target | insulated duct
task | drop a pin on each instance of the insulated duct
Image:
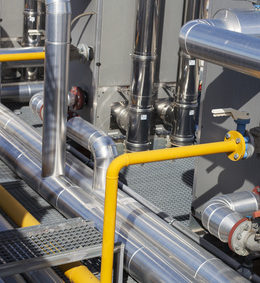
(155, 252)
(223, 216)
(20, 92)
(210, 41)
(57, 47)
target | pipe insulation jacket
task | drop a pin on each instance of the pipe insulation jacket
(154, 251)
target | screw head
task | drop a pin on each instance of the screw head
(238, 141)
(239, 236)
(227, 136)
(236, 156)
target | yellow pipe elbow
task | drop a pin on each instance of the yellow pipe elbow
(75, 272)
(235, 145)
(22, 57)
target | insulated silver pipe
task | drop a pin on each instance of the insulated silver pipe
(142, 96)
(222, 213)
(229, 49)
(98, 143)
(20, 92)
(155, 252)
(57, 47)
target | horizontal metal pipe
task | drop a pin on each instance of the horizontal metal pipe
(20, 92)
(154, 251)
(226, 48)
(222, 213)
(21, 50)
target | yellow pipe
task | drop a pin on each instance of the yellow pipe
(234, 145)
(76, 272)
(22, 56)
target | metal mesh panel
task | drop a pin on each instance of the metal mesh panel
(167, 185)
(47, 240)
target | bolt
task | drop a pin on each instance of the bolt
(243, 252)
(228, 136)
(238, 141)
(236, 156)
(246, 228)
(239, 236)
(237, 248)
(255, 225)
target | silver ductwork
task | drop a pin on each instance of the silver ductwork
(209, 40)
(20, 92)
(98, 143)
(155, 252)
(223, 216)
(57, 47)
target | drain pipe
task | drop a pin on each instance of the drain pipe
(142, 95)
(154, 250)
(57, 47)
(180, 114)
(225, 217)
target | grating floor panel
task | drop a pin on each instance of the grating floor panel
(167, 185)
(24, 249)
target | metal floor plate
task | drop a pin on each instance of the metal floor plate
(167, 185)
(35, 247)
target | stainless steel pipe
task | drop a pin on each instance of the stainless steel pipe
(57, 47)
(20, 92)
(229, 49)
(98, 143)
(223, 216)
(154, 251)
(142, 96)
(21, 50)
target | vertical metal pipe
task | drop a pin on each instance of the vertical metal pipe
(58, 16)
(187, 87)
(32, 33)
(143, 73)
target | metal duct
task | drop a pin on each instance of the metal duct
(57, 47)
(155, 252)
(223, 215)
(142, 95)
(98, 143)
(226, 48)
(20, 92)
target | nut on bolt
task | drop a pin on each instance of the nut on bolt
(227, 136)
(238, 141)
(236, 156)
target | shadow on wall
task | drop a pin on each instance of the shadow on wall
(229, 90)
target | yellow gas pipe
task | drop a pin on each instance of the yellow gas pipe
(75, 272)
(22, 56)
(234, 145)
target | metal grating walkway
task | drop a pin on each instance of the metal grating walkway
(36, 247)
(167, 185)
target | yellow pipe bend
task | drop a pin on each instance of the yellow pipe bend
(233, 145)
(22, 56)
(76, 272)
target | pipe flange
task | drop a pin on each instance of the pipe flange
(238, 236)
(239, 153)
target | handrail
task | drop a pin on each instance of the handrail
(234, 145)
